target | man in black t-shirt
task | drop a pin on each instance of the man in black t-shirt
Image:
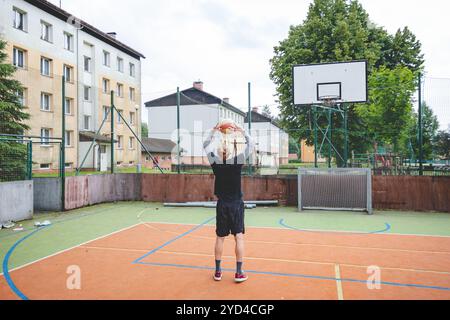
(227, 165)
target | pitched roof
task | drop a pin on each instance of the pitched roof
(189, 97)
(158, 145)
(93, 31)
(259, 118)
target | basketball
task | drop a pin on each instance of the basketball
(227, 126)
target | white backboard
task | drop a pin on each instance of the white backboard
(347, 81)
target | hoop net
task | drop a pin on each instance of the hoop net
(329, 101)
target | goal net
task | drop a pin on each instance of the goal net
(335, 189)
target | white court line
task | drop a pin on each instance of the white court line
(148, 224)
(340, 291)
(265, 259)
(71, 248)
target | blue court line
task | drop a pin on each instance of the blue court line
(8, 279)
(138, 260)
(293, 275)
(387, 228)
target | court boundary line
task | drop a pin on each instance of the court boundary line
(68, 249)
(340, 290)
(387, 229)
(149, 225)
(139, 261)
(293, 275)
(269, 259)
(174, 239)
(314, 230)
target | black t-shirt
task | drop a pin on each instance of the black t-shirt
(227, 185)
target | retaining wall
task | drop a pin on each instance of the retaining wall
(16, 201)
(389, 192)
(89, 190)
(47, 194)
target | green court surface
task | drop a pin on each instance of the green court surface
(73, 228)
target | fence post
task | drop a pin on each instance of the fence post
(112, 131)
(178, 131)
(63, 146)
(420, 127)
(250, 169)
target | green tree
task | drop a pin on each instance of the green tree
(337, 30)
(13, 155)
(389, 116)
(144, 130)
(405, 50)
(267, 112)
(430, 130)
(442, 144)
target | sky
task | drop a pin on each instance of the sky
(228, 43)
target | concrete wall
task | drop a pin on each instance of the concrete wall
(185, 188)
(411, 193)
(389, 192)
(89, 190)
(16, 201)
(47, 194)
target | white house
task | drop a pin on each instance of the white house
(199, 112)
(271, 141)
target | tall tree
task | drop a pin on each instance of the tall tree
(430, 130)
(12, 113)
(267, 112)
(442, 144)
(13, 155)
(389, 115)
(144, 130)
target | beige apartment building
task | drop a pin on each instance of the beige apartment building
(45, 42)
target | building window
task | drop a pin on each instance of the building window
(45, 101)
(105, 86)
(68, 73)
(119, 142)
(132, 94)
(44, 166)
(45, 137)
(87, 93)
(68, 41)
(87, 64)
(46, 31)
(87, 122)
(132, 70)
(120, 90)
(19, 58)
(131, 143)
(106, 115)
(120, 64)
(132, 118)
(21, 95)
(106, 58)
(46, 65)
(68, 138)
(69, 165)
(119, 118)
(68, 106)
(20, 19)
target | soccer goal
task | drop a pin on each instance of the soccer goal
(335, 189)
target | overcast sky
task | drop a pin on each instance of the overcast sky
(228, 43)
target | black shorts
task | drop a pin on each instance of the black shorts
(230, 218)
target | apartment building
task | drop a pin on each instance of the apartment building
(45, 42)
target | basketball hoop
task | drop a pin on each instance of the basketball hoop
(329, 101)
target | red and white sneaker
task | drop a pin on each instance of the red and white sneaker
(218, 276)
(239, 278)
